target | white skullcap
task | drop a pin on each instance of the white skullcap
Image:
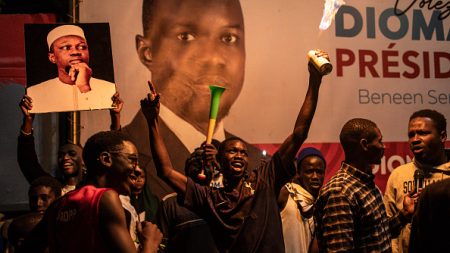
(62, 31)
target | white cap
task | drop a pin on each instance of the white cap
(64, 30)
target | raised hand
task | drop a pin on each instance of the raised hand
(315, 74)
(163, 165)
(150, 105)
(114, 112)
(26, 104)
(117, 103)
(210, 154)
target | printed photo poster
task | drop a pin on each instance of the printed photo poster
(390, 59)
(69, 67)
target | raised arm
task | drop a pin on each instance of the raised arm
(115, 112)
(164, 167)
(25, 105)
(26, 152)
(292, 144)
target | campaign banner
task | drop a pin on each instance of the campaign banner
(390, 58)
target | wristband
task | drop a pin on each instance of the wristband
(25, 133)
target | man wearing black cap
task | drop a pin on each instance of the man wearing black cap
(297, 198)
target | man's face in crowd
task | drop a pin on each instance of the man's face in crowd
(70, 160)
(375, 148)
(193, 44)
(68, 51)
(138, 180)
(311, 173)
(425, 140)
(124, 162)
(234, 159)
(40, 198)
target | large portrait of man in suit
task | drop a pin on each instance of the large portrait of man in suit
(188, 45)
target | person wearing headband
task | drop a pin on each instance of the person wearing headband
(296, 201)
(74, 88)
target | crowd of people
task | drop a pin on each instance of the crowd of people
(128, 191)
(277, 206)
(102, 187)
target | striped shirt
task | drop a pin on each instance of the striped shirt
(351, 216)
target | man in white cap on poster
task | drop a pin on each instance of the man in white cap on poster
(74, 89)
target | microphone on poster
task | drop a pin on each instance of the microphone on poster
(67, 69)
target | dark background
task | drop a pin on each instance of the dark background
(59, 7)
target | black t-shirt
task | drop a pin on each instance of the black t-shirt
(246, 219)
(184, 231)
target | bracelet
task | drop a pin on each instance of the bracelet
(25, 133)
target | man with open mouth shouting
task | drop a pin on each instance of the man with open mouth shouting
(427, 134)
(243, 215)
